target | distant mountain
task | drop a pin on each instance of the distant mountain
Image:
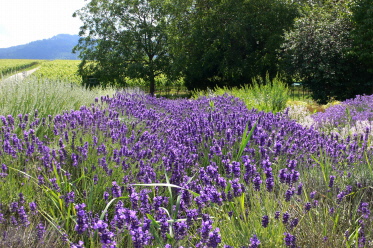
(57, 47)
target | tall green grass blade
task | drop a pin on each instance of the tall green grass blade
(177, 207)
(102, 216)
(245, 140)
(169, 185)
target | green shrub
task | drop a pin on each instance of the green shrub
(262, 94)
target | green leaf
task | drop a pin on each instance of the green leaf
(245, 140)
(102, 216)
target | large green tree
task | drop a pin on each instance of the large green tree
(229, 42)
(318, 52)
(362, 17)
(123, 38)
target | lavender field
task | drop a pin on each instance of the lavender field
(137, 171)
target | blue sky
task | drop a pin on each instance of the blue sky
(23, 21)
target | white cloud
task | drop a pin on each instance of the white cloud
(23, 21)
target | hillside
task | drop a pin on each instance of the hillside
(57, 47)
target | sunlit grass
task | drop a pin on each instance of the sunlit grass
(263, 94)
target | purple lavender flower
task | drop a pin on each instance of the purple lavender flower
(13, 220)
(23, 216)
(285, 217)
(101, 149)
(106, 195)
(3, 119)
(348, 189)
(214, 238)
(134, 198)
(254, 242)
(236, 169)
(40, 231)
(331, 181)
(14, 207)
(289, 193)
(307, 206)
(164, 227)
(294, 222)
(204, 176)
(95, 179)
(221, 182)
(257, 182)
(237, 187)
(4, 168)
(180, 229)
(81, 219)
(282, 175)
(74, 158)
(299, 190)
(78, 245)
(364, 210)
(265, 221)
(41, 180)
(205, 229)
(54, 184)
(331, 210)
(290, 240)
(115, 189)
(191, 215)
(362, 241)
(312, 194)
(250, 170)
(69, 198)
(292, 164)
(106, 237)
(270, 183)
(2, 219)
(33, 207)
(340, 196)
(288, 176)
(145, 206)
(277, 215)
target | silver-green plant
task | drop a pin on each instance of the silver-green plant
(48, 97)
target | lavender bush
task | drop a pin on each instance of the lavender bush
(136, 171)
(353, 116)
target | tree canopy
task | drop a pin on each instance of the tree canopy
(318, 49)
(362, 17)
(230, 42)
(325, 43)
(123, 38)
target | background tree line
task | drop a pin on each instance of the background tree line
(325, 44)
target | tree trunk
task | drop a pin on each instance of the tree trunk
(152, 84)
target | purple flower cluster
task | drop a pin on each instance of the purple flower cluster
(130, 140)
(255, 242)
(290, 240)
(347, 113)
(105, 235)
(364, 210)
(82, 219)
